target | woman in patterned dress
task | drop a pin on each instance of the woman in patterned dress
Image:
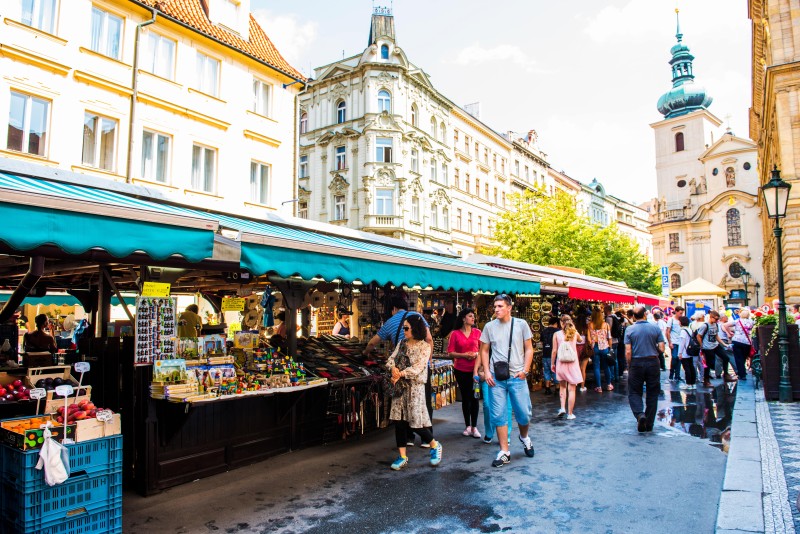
(409, 362)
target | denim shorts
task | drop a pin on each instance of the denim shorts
(549, 375)
(515, 390)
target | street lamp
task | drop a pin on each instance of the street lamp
(745, 281)
(776, 198)
(757, 287)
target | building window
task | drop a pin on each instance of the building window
(480, 225)
(207, 74)
(341, 158)
(41, 14)
(679, 146)
(734, 228)
(486, 191)
(302, 210)
(444, 173)
(466, 145)
(155, 156)
(415, 209)
(204, 168)
(527, 174)
(259, 182)
(303, 123)
(516, 167)
(445, 218)
(442, 132)
(384, 202)
(384, 102)
(106, 33)
(486, 156)
(503, 166)
(495, 196)
(456, 178)
(383, 150)
(159, 56)
(339, 208)
(433, 127)
(674, 243)
(503, 194)
(466, 183)
(99, 141)
(414, 116)
(434, 216)
(494, 161)
(384, 52)
(302, 168)
(28, 118)
(469, 222)
(414, 160)
(341, 112)
(458, 218)
(477, 151)
(477, 187)
(674, 281)
(433, 169)
(262, 99)
(455, 138)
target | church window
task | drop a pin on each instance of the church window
(442, 132)
(341, 112)
(734, 228)
(674, 242)
(746, 165)
(735, 269)
(715, 171)
(303, 123)
(433, 127)
(414, 116)
(384, 52)
(675, 281)
(384, 102)
(679, 146)
(681, 183)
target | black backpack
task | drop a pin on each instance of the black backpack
(693, 348)
(616, 327)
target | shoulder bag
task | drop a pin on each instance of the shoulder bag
(501, 369)
(566, 352)
(401, 361)
(747, 335)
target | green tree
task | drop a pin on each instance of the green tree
(550, 230)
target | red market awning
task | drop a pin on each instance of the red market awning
(648, 301)
(600, 295)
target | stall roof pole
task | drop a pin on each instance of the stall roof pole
(35, 271)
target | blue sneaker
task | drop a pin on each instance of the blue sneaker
(436, 454)
(399, 463)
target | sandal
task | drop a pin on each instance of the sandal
(598, 390)
(610, 388)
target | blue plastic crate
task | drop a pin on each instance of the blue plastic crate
(105, 518)
(34, 509)
(94, 457)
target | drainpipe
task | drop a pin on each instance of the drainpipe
(135, 93)
(30, 279)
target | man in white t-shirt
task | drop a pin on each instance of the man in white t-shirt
(510, 341)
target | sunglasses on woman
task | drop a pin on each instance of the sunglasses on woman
(406, 328)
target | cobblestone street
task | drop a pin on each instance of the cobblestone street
(593, 474)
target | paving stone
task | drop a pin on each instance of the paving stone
(741, 510)
(745, 448)
(743, 429)
(744, 476)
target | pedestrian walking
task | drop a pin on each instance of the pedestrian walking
(409, 363)
(674, 330)
(726, 332)
(566, 365)
(547, 349)
(681, 343)
(643, 343)
(713, 347)
(463, 349)
(617, 331)
(506, 373)
(658, 318)
(584, 350)
(742, 344)
(488, 425)
(599, 339)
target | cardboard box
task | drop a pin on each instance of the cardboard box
(93, 429)
(30, 438)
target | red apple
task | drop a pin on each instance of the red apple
(10, 387)
(60, 419)
(2, 391)
(17, 383)
(9, 396)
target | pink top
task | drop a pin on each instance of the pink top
(461, 344)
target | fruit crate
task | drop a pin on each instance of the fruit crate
(29, 512)
(94, 457)
(101, 518)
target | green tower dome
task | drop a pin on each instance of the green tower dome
(686, 95)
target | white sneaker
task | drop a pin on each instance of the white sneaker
(684, 386)
(582, 390)
(476, 433)
(561, 413)
(467, 431)
(570, 417)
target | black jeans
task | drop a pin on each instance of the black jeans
(644, 371)
(689, 371)
(402, 432)
(711, 355)
(469, 404)
(622, 363)
(741, 351)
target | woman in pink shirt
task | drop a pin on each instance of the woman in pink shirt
(463, 348)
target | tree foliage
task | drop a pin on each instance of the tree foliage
(550, 230)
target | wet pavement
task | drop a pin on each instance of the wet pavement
(593, 474)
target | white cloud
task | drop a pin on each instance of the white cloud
(292, 37)
(476, 54)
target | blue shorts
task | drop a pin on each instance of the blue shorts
(549, 375)
(516, 391)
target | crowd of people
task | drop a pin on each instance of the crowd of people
(493, 364)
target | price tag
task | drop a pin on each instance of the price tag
(104, 415)
(155, 289)
(38, 393)
(81, 367)
(64, 391)
(233, 304)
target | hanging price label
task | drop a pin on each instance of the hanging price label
(82, 367)
(64, 391)
(233, 304)
(38, 393)
(104, 416)
(155, 289)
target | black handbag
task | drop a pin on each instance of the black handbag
(501, 369)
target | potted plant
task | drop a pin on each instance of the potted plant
(766, 333)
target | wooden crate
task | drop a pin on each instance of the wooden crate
(93, 429)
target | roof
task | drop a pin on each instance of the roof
(699, 287)
(257, 46)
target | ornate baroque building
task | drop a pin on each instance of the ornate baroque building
(705, 222)
(775, 128)
(382, 150)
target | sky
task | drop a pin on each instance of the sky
(585, 74)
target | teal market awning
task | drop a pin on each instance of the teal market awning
(62, 300)
(76, 219)
(292, 251)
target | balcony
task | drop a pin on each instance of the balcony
(383, 221)
(672, 211)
